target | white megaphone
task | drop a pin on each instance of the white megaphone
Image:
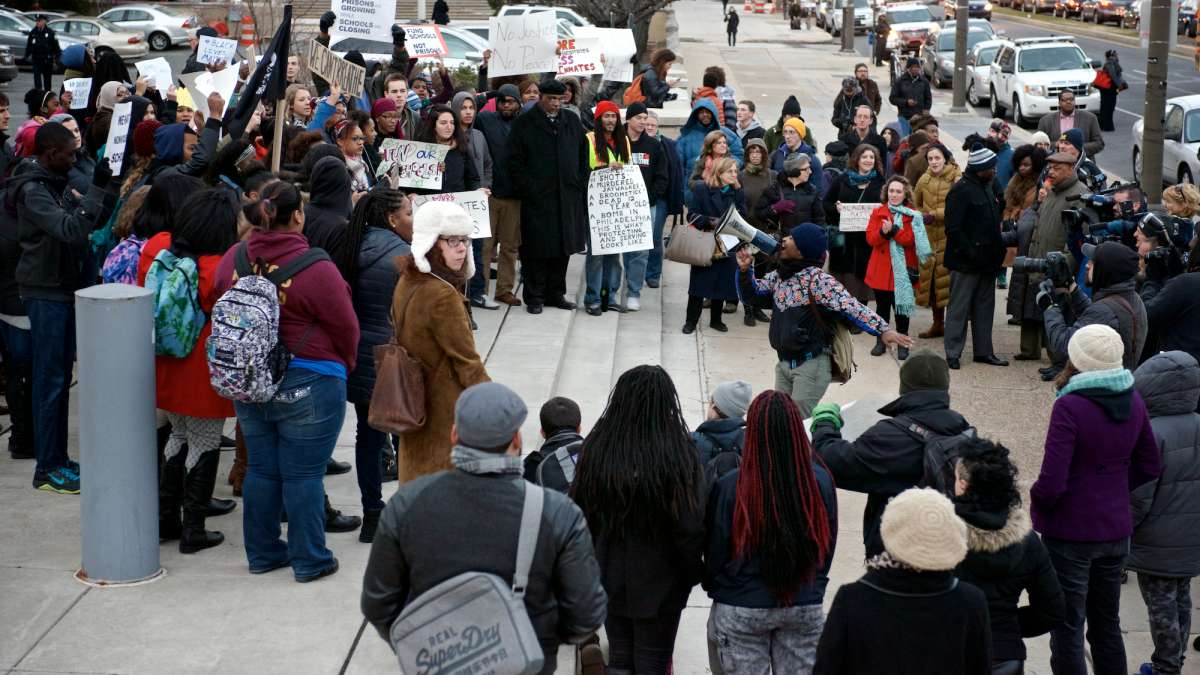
(733, 225)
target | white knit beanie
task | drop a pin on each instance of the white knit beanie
(921, 530)
(440, 219)
(1096, 347)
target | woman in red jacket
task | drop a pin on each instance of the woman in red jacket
(896, 234)
(204, 229)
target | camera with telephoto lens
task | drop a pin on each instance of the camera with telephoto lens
(1100, 207)
(1054, 266)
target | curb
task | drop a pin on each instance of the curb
(1069, 28)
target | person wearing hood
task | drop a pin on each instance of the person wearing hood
(1068, 116)
(464, 106)
(889, 457)
(328, 211)
(861, 131)
(798, 334)
(1099, 447)
(909, 613)
(1173, 307)
(1005, 557)
(53, 265)
(1165, 550)
(573, 100)
(791, 110)
(1111, 271)
(748, 127)
(724, 427)
(179, 151)
(194, 66)
(700, 122)
(107, 97)
(911, 94)
(77, 62)
(504, 208)
(846, 103)
(80, 177)
(794, 132)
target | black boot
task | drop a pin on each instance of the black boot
(879, 347)
(220, 507)
(170, 492)
(198, 489)
(761, 315)
(370, 523)
(749, 318)
(19, 395)
(336, 522)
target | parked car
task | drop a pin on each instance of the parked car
(561, 12)
(937, 54)
(130, 45)
(1067, 8)
(976, 8)
(1181, 141)
(1036, 6)
(910, 22)
(862, 16)
(1028, 75)
(979, 70)
(8, 65)
(463, 47)
(974, 24)
(14, 34)
(32, 16)
(164, 26)
(1104, 11)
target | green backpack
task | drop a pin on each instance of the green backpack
(178, 318)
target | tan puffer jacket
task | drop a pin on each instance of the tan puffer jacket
(930, 196)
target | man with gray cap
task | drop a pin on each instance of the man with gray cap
(468, 520)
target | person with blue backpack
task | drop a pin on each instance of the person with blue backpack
(180, 267)
(722, 435)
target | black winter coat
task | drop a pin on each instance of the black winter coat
(1173, 311)
(972, 220)
(549, 168)
(676, 177)
(917, 88)
(902, 622)
(1107, 306)
(852, 141)
(328, 212)
(718, 281)
(886, 459)
(648, 155)
(373, 291)
(460, 174)
(808, 205)
(1003, 563)
(495, 128)
(843, 111)
(851, 258)
(41, 46)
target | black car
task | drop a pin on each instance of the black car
(976, 9)
(1067, 8)
(1105, 11)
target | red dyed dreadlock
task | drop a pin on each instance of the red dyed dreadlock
(779, 515)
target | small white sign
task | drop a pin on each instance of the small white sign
(214, 50)
(80, 88)
(159, 72)
(619, 48)
(118, 135)
(855, 216)
(424, 41)
(475, 203)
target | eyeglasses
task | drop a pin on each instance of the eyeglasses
(455, 242)
(358, 139)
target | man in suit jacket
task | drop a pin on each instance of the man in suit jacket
(1068, 117)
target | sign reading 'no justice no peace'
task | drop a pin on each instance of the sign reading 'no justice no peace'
(619, 211)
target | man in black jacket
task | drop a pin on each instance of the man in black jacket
(860, 132)
(974, 254)
(648, 154)
(889, 458)
(845, 103)
(911, 94)
(503, 206)
(468, 520)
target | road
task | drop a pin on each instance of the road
(1117, 156)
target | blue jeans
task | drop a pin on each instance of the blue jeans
(602, 270)
(635, 272)
(53, 332)
(479, 282)
(18, 344)
(1090, 575)
(289, 441)
(369, 443)
(654, 261)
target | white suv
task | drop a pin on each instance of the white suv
(566, 13)
(1028, 74)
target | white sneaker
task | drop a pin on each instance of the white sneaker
(484, 302)
(632, 304)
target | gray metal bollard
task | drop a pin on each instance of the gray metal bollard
(119, 468)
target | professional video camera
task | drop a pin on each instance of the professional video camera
(1097, 219)
(1054, 266)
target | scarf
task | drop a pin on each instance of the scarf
(858, 179)
(905, 299)
(478, 462)
(1114, 380)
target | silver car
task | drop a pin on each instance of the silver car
(979, 70)
(164, 27)
(14, 34)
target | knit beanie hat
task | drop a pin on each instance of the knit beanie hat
(921, 530)
(382, 105)
(733, 398)
(810, 240)
(981, 158)
(798, 126)
(1074, 137)
(143, 137)
(508, 91)
(1096, 347)
(791, 106)
(924, 370)
(606, 107)
(440, 219)
(635, 109)
(1039, 137)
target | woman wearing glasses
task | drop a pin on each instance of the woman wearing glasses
(429, 314)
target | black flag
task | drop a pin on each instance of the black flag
(269, 81)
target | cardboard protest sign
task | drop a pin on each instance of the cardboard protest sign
(522, 44)
(619, 211)
(579, 56)
(79, 87)
(370, 19)
(423, 41)
(854, 216)
(334, 68)
(215, 50)
(419, 165)
(158, 71)
(618, 47)
(475, 203)
(118, 136)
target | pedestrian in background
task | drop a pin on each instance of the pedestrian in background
(731, 27)
(1110, 81)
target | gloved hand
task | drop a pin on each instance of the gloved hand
(102, 174)
(397, 35)
(1045, 295)
(828, 412)
(928, 217)
(784, 206)
(1157, 268)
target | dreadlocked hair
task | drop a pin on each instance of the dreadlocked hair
(778, 514)
(639, 471)
(372, 210)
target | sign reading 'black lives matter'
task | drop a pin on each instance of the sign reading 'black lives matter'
(619, 211)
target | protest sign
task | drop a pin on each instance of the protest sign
(223, 82)
(334, 68)
(854, 216)
(118, 136)
(423, 41)
(522, 44)
(215, 50)
(369, 19)
(79, 88)
(158, 71)
(419, 164)
(619, 211)
(618, 47)
(579, 56)
(475, 203)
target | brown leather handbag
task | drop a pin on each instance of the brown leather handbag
(398, 400)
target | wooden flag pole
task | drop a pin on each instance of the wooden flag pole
(277, 142)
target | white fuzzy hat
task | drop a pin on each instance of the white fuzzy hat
(440, 219)
(1096, 347)
(921, 530)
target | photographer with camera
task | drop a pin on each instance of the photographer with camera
(1172, 300)
(1111, 270)
(1111, 215)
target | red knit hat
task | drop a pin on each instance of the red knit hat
(143, 137)
(607, 106)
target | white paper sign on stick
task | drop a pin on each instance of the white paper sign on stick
(475, 203)
(619, 211)
(579, 56)
(79, 87)
(369, 19)
(522, 44)
(420, 164)
(423, 41)
(159, 72)
(618, 47)
(854, 216)
(215, 50)
(118, 135)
